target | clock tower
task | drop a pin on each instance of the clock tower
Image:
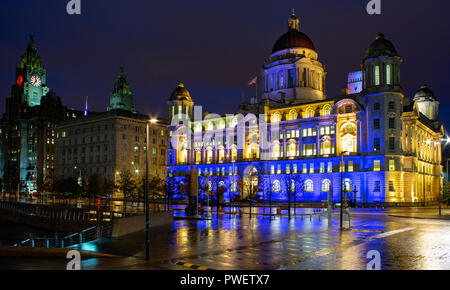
(30, 78)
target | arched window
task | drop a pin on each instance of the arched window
(308, 185)
(234, 153)
(209, 126)
(292, 115)
(276, 186)
(326, 111)
(276, 149)
(309, 113)
(276, 117)
(388, 74)
(377, 75)
(347, 185)
(221, 124)
(326, 185)
(198, 156)
(209, 155)
(221, 154)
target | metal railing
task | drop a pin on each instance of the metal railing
(70, 240)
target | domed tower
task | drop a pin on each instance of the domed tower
(381, 67)
(426, 103)
(293, 72)
(382, 97)
(180, 103)
(121, 97)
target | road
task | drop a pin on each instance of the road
(231, 243)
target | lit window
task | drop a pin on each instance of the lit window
(392, 165)
(388, 74)
(376, 165)
(326, 110)
(350, 166)
(330, 167)
(276, 186)
(377, 75)
(326, 185)
(308, 185)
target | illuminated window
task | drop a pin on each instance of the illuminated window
(221, 154)
(292, 148)
(221, 124)
(278, 169)
(350, 166)
(272, 169)
(276, 149)
(292, 187)
(276, 117)
(347, 185)
(326, 185)
(377, 75)
(288, 169)
(294, 170)
(233, 153)
(322, 167)
(309, 113)
(388, 74)
(276, 186)
(305, 168)
(326, 110)
(292, 115)
(376, 165)
(311, 168)
(392, 165)
(198, 156)
(308, 185)
(209, 155)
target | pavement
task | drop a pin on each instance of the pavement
(405, 238)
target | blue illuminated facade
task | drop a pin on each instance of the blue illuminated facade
(376, 143)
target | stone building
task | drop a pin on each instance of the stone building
(110, 142)
(377, 144)
(27, 129)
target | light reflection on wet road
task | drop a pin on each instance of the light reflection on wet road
(280, 243)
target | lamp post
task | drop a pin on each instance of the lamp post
(342, 167)
(147, 213)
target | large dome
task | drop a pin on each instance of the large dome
(381, 47)
(424, 93)
(293, 39)
(180, 92)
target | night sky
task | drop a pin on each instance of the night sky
(213, 47)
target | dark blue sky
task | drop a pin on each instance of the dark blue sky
(214, 47)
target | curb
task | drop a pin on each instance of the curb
(191, 266)
(443, 218)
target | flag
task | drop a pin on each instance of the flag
(253, 81)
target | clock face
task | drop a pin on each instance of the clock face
(19, 80)
(35, 81)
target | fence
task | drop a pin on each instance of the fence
(73, 239)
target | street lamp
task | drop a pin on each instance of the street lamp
(342, 167)
(147, 214)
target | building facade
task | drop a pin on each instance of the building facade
(111, 142)
(377, 144)
(27, 129)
